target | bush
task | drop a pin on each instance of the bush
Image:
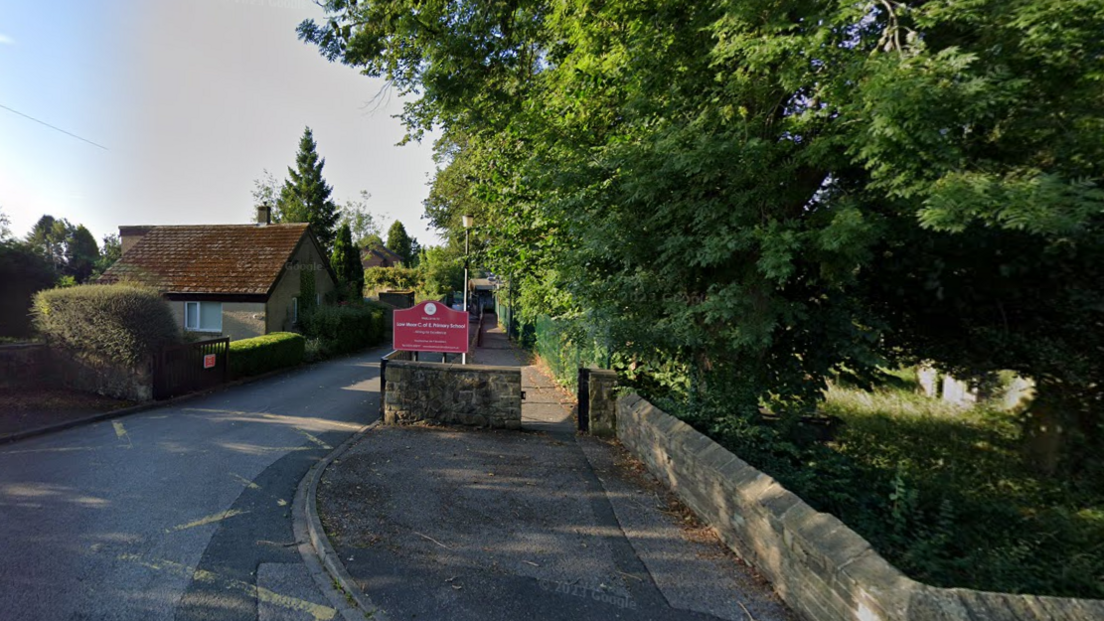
(107, 324)
(266, 353)
(376, 278)
(344, 329)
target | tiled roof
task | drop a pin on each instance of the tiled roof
(379, 255)
(230, 259)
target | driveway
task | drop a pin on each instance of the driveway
(181, 512)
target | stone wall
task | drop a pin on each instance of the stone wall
(39, 366)
(818, 566)
(25, 366)
(483, 396)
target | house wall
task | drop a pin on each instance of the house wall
(279, 303)
(240, 320)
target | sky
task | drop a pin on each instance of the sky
(187, 103)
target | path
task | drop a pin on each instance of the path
(180, 512)
(462, 524)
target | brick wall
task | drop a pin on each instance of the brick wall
(479, 395)
(818, 566)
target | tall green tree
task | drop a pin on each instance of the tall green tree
(49, 237)
(345, 261)
(81, 254)
(362, 223)
(305, 196)
(400, 243)
(110, 251)
(717, 184)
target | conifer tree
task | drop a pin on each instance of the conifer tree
(398, 241)
(305, 196)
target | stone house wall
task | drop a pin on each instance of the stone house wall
(818, 566)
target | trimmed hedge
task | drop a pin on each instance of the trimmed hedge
(266, 353)
(119, 324)
(344, 329)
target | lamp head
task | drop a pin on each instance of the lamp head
(469, 220)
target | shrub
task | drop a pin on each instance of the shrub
(343, 329)
(376, 278)
(266, 353)
(107, 324)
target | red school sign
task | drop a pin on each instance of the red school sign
(431, 326)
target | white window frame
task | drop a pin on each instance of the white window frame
(199, 315)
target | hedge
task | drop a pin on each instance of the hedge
(119, 324)
(266, 353)
(344, 329)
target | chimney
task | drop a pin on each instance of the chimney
(264, 215)
(129, 235)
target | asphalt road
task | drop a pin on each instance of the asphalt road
(181, 512)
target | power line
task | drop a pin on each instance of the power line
(27, 116)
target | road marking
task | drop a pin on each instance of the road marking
(246, 482)
(121, 432)
(251, 485)
(315, 440)
(319, 612)
(203, 521)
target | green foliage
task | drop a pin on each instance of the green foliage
(939, 491)
(376, 278)
(362, 224)
(110, 251)
(106, 324)
(308, 293)
(715, 186)
(345, 261)
(305, 196)
(565, 346)
(400, 243)
(344, 328)
(266, 353)
(441, 271)
(81, 254)
(24, 272)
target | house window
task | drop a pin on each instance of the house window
(203, 316)
(294, 311)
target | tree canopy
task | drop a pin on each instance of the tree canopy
(766, 193)
(305, 195)
(400, 243)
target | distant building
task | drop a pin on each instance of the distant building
(379, 256)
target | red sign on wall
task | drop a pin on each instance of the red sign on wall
(209, 361)
(431, 326)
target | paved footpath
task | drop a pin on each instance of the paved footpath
(181, 512)
(462, 524)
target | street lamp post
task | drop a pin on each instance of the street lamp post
(468, 220)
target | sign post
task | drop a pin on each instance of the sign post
(430, 326)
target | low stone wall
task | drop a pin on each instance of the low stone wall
(479, 395)
(25, 366)
(818, 566)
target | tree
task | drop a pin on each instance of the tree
(362, 224)
(266, 193)
(81, 254)
(715, 184)
(442, 270)
(24, 272)
(399, 242)
(110, 251)
(5, 228)
(345, 261)
(48, 237)
(305, 196)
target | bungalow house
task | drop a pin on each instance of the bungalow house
(379, 256)
(236, 280)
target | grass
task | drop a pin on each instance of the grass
(953, 502)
